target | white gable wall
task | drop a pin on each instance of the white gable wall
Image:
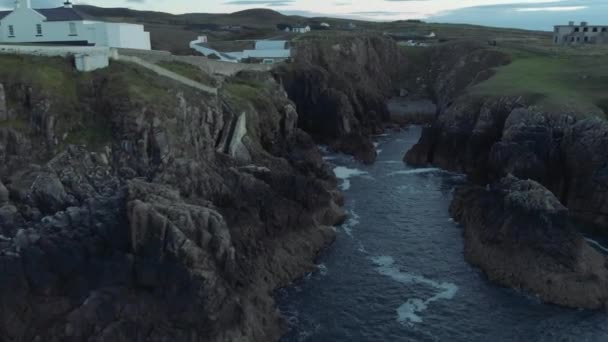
(122, 35)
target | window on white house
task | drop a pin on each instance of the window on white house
(11, 31)
(39, 30)
(73, 31)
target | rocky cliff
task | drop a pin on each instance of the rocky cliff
(490, 138)
(561, 154)
(519, 234)
(133, 208)
(340, 85)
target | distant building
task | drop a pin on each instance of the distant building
(67, 26)
(265, 51)
(326, 25)
(301, 29)
(580, 34)
(284, 27)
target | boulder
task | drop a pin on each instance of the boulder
(48, 193)
(520, 235)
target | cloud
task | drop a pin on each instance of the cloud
(269, 3)
(10, 4)
(551, 9)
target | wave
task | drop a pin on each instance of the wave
(322, 269)
(345, 174)
(353, 220)
(597, 245)
(410, 310)
(415, 171)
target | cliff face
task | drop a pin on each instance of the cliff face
(340, 86)
(518, 233)
(491, 138)
(136, 209)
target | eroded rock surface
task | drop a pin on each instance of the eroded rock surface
(519, 234)
(152, 212)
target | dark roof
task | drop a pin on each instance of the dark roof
(63, 14)
(57, 14)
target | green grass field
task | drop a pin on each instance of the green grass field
(565, 79)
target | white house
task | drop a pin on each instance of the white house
(67, 26)
(266, 51)
(300, 29)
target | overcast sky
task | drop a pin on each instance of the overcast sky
(533, 14)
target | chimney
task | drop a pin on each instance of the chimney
(571, 23)
(583, 23)
(67, 4)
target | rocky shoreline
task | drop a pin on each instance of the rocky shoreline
(520, 235)
(133, 208)
(492, 137)
(178, 224)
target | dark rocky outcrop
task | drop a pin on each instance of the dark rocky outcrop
(504, 136)
(340, 86)
(518, 231)
(147, 211)
(519, 234)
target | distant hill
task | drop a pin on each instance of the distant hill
(173, 32)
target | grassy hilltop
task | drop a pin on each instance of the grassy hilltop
(559, 79)
(564, 79)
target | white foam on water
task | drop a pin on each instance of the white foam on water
(410, 310)
(361, 248)
(390, 162)
(376, 144)
(328, 158)
(322, 269)
(415, 171)
(378, 151)
(596, 244)
(345, 174)
(353, 220)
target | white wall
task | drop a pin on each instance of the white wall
(117, 35)
(133, 36)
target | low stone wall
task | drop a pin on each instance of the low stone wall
(87, 58)
(208, 65)
(62, 51)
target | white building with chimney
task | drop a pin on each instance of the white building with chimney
(67, 26)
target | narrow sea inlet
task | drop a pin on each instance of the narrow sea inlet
(397, 270)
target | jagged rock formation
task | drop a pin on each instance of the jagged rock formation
(491, 138)
(518, 231)
(519, 234)
(142, 210)
(340, 86)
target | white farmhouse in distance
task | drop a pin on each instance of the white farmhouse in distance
(67, 26)
(301, 29)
